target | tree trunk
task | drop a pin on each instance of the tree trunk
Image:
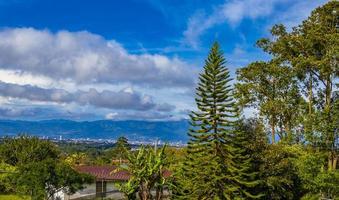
(281, 132)
(140, 194)
(332, 161)
(273, 132)
(288, 131)
(335, 161)
(159, 193)
(310, 95)
(145, 192)
(309, 124)
(328, 131)
(329, 163)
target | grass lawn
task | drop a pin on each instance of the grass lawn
(13, 197)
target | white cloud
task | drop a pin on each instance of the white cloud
(84, 57)
(111, 115)
(129, 90)
(298, 12)
(234, 11)
(81, 74)
(197, 25)
(18, 77)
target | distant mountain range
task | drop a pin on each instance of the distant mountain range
(170, 131)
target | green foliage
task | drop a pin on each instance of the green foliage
(279, 173)
(315, 179)
(27, 149)
(256, 144)
(122, 143)
(119, 150)
(272, 88)
(76, 159)
(89, 154)
(6, 171)
(216, 166)
(39, 172)
(311, 49)
(297, 93)
(13, 197)
(45, 178)
(146, 168)
(175, 156)
(320, 36)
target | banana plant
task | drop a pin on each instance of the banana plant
(146, 168)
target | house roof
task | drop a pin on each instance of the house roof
(104, 172)
(107, 172)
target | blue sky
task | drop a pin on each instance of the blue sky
(131, 59)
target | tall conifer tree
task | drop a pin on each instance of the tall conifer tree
(215, 167)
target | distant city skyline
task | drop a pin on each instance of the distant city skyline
(132, 59)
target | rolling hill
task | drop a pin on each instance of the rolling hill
(103, 129)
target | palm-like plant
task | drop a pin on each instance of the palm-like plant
(146, 169)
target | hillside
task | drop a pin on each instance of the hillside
(102, 129)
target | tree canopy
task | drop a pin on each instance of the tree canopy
(36, 169)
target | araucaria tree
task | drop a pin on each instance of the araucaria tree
(215, 167)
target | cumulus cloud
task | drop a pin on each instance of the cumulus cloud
(234, 11)
(84, 57)
(124, 99)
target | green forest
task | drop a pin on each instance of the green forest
(288, 150)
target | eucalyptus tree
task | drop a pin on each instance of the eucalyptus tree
(271, 88)
(312, 49)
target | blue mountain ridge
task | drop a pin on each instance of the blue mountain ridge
(169, 131)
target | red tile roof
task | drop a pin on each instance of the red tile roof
(107, 172)
(104, 172)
